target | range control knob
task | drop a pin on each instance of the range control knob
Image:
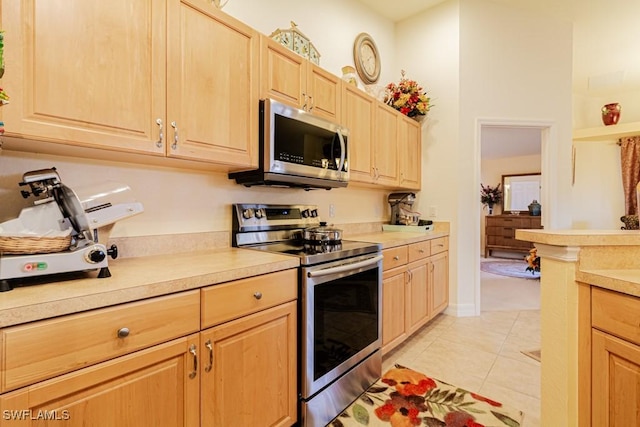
(314, 213)
(306, 213)
(95, 256)
(260, 213)
(248, 213)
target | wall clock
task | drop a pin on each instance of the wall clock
(366, 58)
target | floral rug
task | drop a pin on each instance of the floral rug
(509, 268)
(406, 398)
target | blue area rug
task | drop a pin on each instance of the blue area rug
(509, 268)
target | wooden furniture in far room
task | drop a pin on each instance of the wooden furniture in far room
(500, 231)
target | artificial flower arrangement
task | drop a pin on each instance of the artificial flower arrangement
(533, 261)
(490, 196)
(408, 97)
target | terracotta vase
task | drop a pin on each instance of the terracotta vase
(611, 114)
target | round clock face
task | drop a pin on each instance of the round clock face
(366, 58)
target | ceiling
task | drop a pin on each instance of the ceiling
(606, 36)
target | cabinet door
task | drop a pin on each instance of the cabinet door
(86, 73)
(212, 79)
(439, 283)
(150, 388)
(323, 93)
(393, 312)
(249, 374)
(615, 382)
(409, 153)
(418, 294)
(386, 146)
(282, 73)
(358, 113)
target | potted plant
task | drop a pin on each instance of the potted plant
(408, 97)
(489, 196)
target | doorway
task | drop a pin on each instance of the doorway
(508, 147)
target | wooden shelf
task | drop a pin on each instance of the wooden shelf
(603, 132)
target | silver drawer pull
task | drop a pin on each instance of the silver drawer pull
(421, 251)
(257, 295)
(123, 332)
(396, 258)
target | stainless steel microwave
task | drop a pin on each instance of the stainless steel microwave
(298, 149)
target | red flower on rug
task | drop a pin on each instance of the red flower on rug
(407, 398)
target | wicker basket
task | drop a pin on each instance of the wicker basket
(33, 245)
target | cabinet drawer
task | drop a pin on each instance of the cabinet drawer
(46, 348)
(616, 313)
(221, 303)
(419, 250)
(395, 257)
(440, 244)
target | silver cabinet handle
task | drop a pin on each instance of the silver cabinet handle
(310, 102)
(123, 332)
(210, 348)
(175, 135)
(192, 350)
(257, 295)
(421, 251)
(304, 106)
(160, 140)
(396, 258)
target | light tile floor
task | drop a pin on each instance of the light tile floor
(481, 354)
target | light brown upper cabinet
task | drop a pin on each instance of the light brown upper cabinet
(385, 146)
(292, 79)
(358, 115)
(409, 153)
(174, 78)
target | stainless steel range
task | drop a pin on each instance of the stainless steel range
(340, 301)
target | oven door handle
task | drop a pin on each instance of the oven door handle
(346, 267)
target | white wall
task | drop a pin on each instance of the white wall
(428, 49)
(597, 191)
(490, 62)
(331, 25)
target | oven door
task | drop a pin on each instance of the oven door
(341, 318)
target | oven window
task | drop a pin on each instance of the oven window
(345, 319)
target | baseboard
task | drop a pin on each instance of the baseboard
(461, 310)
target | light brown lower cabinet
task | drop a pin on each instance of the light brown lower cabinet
(615, 383)
(156, 387)
(249, 370)
(235, 365)
(415, 288)
(615, 359)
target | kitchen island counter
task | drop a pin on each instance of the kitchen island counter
(579, 312)
(136, 279)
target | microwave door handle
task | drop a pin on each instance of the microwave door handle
(346, 267)
(343, 150)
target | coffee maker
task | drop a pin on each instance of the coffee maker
(401, 212)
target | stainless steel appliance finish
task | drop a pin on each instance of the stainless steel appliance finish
(401, 213)
(340, 302)
(58, 208)
(298, 149)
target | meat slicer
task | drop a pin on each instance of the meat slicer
(59, 211)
